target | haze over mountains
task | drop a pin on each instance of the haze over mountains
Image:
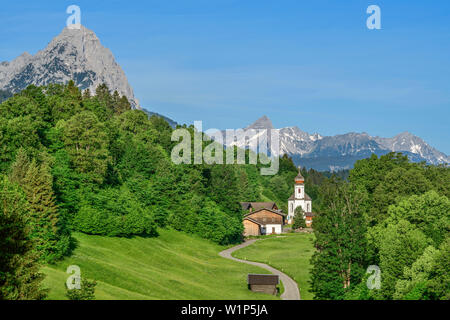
(341, 151)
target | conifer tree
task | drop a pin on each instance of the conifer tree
(104, 96)
(20, 166)
(115, 98)
(73, 90)
(123, 105)
(19, 268)
(299, 221)
(86, 141)
(86, 94)
(37, 185)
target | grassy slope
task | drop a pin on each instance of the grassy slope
(290, 253)
(172, 266)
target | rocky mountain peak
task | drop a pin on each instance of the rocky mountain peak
(75, 54)
(404, 134)
(262, 123)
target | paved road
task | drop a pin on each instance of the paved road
(291, 291)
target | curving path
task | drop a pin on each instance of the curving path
(291, 291)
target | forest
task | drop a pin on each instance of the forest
(393, 215)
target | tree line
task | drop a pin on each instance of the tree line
(392, 214)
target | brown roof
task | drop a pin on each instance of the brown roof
(258, 205)
(245, 205)
(299, 176)
(310, 214)
(253, 220)
(263, 279)
(274, 211)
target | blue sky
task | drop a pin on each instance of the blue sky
(313, 64)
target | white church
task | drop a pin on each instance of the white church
(300, 199)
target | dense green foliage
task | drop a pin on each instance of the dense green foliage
(52, 241)
(20, 278)
(299, 221)
(340, 240)
(391, 177)
(402, 225)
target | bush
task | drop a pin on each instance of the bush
(87, 291)
(209, 222)
(114, 212)
(299, 221)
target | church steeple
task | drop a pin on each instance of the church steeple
(300, 199)
(299, 192)
(299, 178)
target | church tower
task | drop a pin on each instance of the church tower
(299, 186)
(300, 199)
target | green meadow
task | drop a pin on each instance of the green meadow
(173, 265)
(290, 253)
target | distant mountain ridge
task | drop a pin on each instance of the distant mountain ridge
(172, 123)
(333, 153)
(73, 55)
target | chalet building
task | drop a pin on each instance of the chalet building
(300, 199)
(255, 206)
(263, 221)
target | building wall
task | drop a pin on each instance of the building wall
(299, 191)
(269, 228)
(251, 229)
(264, 288)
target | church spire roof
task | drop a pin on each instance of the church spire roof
(299, 178)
